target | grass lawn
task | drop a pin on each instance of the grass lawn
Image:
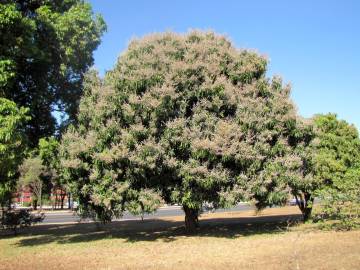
(225, 241)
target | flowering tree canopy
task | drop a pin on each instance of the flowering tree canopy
(189, 118)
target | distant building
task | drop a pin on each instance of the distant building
(58, 197)
(24, 195)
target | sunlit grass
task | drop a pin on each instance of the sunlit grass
(225, 241)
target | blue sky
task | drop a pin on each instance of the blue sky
(314, 45)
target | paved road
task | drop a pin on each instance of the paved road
(65, 217)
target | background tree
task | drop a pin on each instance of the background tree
(48, 152)
(12, 146)
(45, 48)
(325, 163)
(189, 116)
(33, 175)
(337, 166)
(298, 167)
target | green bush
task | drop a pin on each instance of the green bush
(15, 220)
(26, 204)
(339, 210)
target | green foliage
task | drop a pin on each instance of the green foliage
(189, 116)
(17, 219)
(326, 165)
(338, 148)
(14, 220)
(31, 170)
(26, 204)
(34, 175)
(337, 166)
(144, 202)
(45, 48)
(12, 146)
(298, 169)
(48, 151)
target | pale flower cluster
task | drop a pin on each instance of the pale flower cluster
(188, 117)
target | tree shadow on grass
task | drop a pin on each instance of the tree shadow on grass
(155, 229)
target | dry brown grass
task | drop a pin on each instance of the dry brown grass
(225, 241)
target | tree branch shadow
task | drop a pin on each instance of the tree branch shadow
(155, 229)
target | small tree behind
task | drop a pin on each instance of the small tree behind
(325, 164)
(337, 166)
(33, 173)
(49, 153)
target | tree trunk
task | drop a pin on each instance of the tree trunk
(191, 219)
(305, 204)
(69, 200)
(309, 201)
(56, 198)
(307, 214)
(2, 214)
(34, 203)
(40, 199)
(9, 202)
(52, 200)
(62, 198)
(62, 201)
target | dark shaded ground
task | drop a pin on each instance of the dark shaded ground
(153, 229)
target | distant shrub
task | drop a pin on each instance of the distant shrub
(26, 204)
(15, 220)
(339, 210)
